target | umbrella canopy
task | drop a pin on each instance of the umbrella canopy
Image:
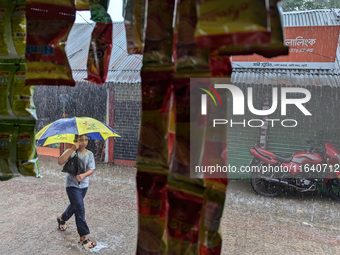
(64, 131)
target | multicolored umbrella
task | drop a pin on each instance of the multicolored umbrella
(64, 130)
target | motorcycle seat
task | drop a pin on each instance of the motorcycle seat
(284, 158)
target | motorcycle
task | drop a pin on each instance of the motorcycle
(302, 171)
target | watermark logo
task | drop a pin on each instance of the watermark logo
(204, 99)
(238, 105)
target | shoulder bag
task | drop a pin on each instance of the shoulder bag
(72, 166)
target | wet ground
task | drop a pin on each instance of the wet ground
(251, 224)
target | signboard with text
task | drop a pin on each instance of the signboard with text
(310, 47)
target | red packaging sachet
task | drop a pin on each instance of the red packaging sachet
(48, 26)
(101, 42)
(100, 53)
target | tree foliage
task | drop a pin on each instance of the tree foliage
(303, 5)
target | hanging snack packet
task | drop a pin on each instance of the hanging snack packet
(152, 162)
(185, 190)
(48, 26)
(100, 53)
(220, 65)
(212, 212)
(232, 27)
(184, 212)
(139, 19)
(7, 71)
(189, 130)
(276, 46)
(171, 126)
(152, 206)
(153, 142)
(215, 183)
(7, 49)
(134, 44)
(3, 44)
(130, 29)
(19, 28)
(159, 35)
(98, 9)
(8, 140)
(190, 60)
(21, 96)
(101, 43)
(27, 158)
(180, 160)
(82, 5)
(124, 8)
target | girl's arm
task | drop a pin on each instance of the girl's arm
(63, 158)
(80, 177)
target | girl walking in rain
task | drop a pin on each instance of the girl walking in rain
(76, 188)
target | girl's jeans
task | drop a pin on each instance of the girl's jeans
(76, 197)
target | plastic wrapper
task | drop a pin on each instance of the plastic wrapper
(216, 137)
(133, 43)
(21, 96)
(8, 138)
(232, 27)
(48, 26)
(98, 9)
(153, 142)
(152, 162)
(139, 19)
(208, 145)
(213, 203)
(185, 208)
(27, 158)
(152, 145)
(101, 43)
(3, 44)
(215, 185)
(7, 49)
(171, 126)
(185, 191)
(7, 71)
(220, 65)
(17, 149)
(82, 5)
(152, 207)
(158, 43)
(190, 60)
(180, 160)
(100, 53)
(19, 28)
(276, 45)
(134, 25)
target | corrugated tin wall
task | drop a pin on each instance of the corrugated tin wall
(322, 17)
(127, 105)
(124, 68)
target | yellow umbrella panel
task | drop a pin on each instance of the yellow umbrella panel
(65, 138)
(63, 131)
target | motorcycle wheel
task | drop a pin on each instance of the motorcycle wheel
(262, 186)
(333, 189)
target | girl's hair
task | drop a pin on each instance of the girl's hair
(77, 136)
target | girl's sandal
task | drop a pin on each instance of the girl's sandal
(60, 223)
(88, 241)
